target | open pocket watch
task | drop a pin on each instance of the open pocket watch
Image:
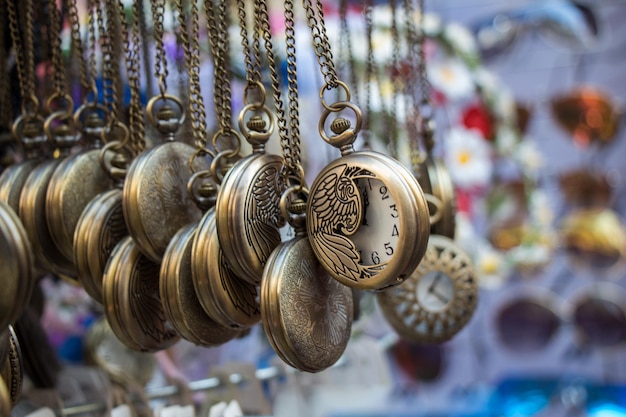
(438, 299)
(368, 219)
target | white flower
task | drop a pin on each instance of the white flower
(540, 209)
(468, 157)
(451, 77)
(529, 157)
(461, 39)
(487, 81)
(432, 24)
(490, 267)
(530, 256)
(506, 140)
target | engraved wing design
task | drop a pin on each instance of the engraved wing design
(114, 230)
(241, 294)
(263, 216)
(145, 304)
(327, 312)
(336, 210)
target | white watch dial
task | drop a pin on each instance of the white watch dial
(435, 291)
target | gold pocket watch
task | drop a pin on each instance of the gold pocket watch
(226, 298)
(438, 299)
(441, 187)
(156, 201)
(74, 183)
(130, 290)
(12, 370)
(16, 266)
(180, 300)
(307, 315)
(247, 215)
(367, 219)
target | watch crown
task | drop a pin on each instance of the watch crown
(340, 125)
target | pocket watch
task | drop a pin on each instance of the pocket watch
(48, 257)
(16, 266)
(5, 345)
(438, 299)
(367, 218)
(130, 294)
(12, 370)
(247, 215)
(441, 187)
(180, 300)
(156, 201)
(100, 228)
(75, 182)
(306, 314)
(226, 298)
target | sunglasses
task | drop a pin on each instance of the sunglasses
(587, 114)
(529, 322)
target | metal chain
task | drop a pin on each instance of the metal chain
(256, 43)
(58, 69)
(281, 121)
(345, 39)
(24, 56)
(5, 94)
(421, 39)
(295, 166)
(321, 45)
(92, 6)
(132, 46)
(143, 35)
(395, 81)
(252, 77)
(77, 43)
(369, 68)
(191, 48)
(108, 83)
(160, 65)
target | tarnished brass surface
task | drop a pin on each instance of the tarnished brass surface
(16, 266)
(306, 314)
(426, 313)
(131, 300)
(12, 181)
(74, 183)
(226, 298)
(178, 295)
(368, 220)
(156, 202)
(48, 257)
(247, 214)
(100, 228)
(442, 188)
(12, 370)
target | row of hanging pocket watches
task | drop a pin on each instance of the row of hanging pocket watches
(183, 240)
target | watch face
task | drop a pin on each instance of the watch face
(377, 236)
(435, 291)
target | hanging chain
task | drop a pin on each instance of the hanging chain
(160, 65)
(77, 44)
(369, 70)
(92, 6)
(143, 35)
(346, 40)
(252, 75)
(109, 75)
(283, 132)
(295, 166)
(426, 107)
(395, 81)
(5, 85)
(224, 51)
(191, 48)
(58, 69)
(132, 46)
(24, 56)
(321, 45)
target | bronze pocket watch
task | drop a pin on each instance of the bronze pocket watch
(12, 370)
(367, 218)
(438, 299)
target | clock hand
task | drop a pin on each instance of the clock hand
(433, 284)
(440, 297)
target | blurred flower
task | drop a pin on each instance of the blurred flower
(490, 267)
(529, 157)
(468, 157)
(452, 77)
(478, 117)
(540, 210)
(530, 257)
(432, 24)
(506, 140)
(461, 39)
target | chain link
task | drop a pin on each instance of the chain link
(24, 56)
(108, 83)
(5, 94)
(321, 45)
(92, 6)
(252, 76)
(191, 48)
(369, 68)
(283, 132)
(396, 81)
(160, 65)
(345, 41)
(58, 69)
(77, 43)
